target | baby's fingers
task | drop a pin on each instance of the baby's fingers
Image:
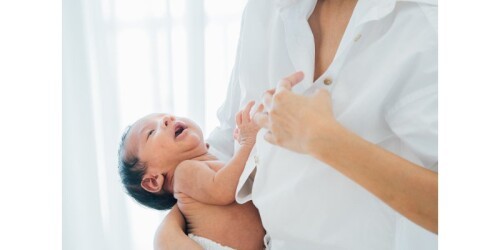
(246, 112)
(238, 118)
(259, 109)
(236, 133)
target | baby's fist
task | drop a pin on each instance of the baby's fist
(246, 130)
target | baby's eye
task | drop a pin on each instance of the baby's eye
(150, 133)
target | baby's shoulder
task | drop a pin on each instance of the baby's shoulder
(189, 168)
(185, 171)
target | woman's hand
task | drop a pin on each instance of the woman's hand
(170, 233)
(306, 124)
(295, 121)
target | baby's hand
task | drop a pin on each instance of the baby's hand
(246, 130)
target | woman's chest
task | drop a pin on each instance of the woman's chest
(328, 25)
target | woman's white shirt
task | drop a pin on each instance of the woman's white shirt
(383, 82)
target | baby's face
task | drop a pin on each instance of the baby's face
(162, 141)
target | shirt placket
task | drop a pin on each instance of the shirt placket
(329, 79)
(299, 40)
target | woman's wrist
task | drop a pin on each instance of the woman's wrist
(324, 138)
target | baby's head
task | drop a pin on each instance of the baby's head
(150, 150)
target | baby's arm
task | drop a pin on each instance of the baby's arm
(197, 180)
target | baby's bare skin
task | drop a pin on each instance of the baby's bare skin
(234, 225)
(176, 161)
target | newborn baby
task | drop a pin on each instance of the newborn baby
(164, 160)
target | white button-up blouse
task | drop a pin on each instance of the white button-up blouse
(383, 82)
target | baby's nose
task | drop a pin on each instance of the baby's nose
(168, 119)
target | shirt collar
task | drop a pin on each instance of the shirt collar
(368, 10)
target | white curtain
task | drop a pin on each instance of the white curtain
(123, 59)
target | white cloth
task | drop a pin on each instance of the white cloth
(208, 244)
(384, 89)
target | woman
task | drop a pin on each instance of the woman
(355, 166)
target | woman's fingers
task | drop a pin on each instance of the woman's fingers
(288, 82)
(261, 116)
(269, 137)
(267, 98)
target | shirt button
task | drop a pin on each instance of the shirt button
(327, 81)
(357, 37)
(256, 159)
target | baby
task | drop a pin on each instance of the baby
(164, 160)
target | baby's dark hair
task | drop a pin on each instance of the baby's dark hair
(131, 172)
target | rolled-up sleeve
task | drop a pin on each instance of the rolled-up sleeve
(414, 119)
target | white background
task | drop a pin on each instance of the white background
(122, 60)
(30, 130)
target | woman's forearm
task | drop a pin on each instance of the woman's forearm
(171, 235)
(408, 188)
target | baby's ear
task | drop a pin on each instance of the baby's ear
(152, 183)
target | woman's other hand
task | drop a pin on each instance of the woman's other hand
(170, 233)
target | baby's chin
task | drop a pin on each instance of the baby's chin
(195, 144)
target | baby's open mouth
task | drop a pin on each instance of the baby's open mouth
(179, 128)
